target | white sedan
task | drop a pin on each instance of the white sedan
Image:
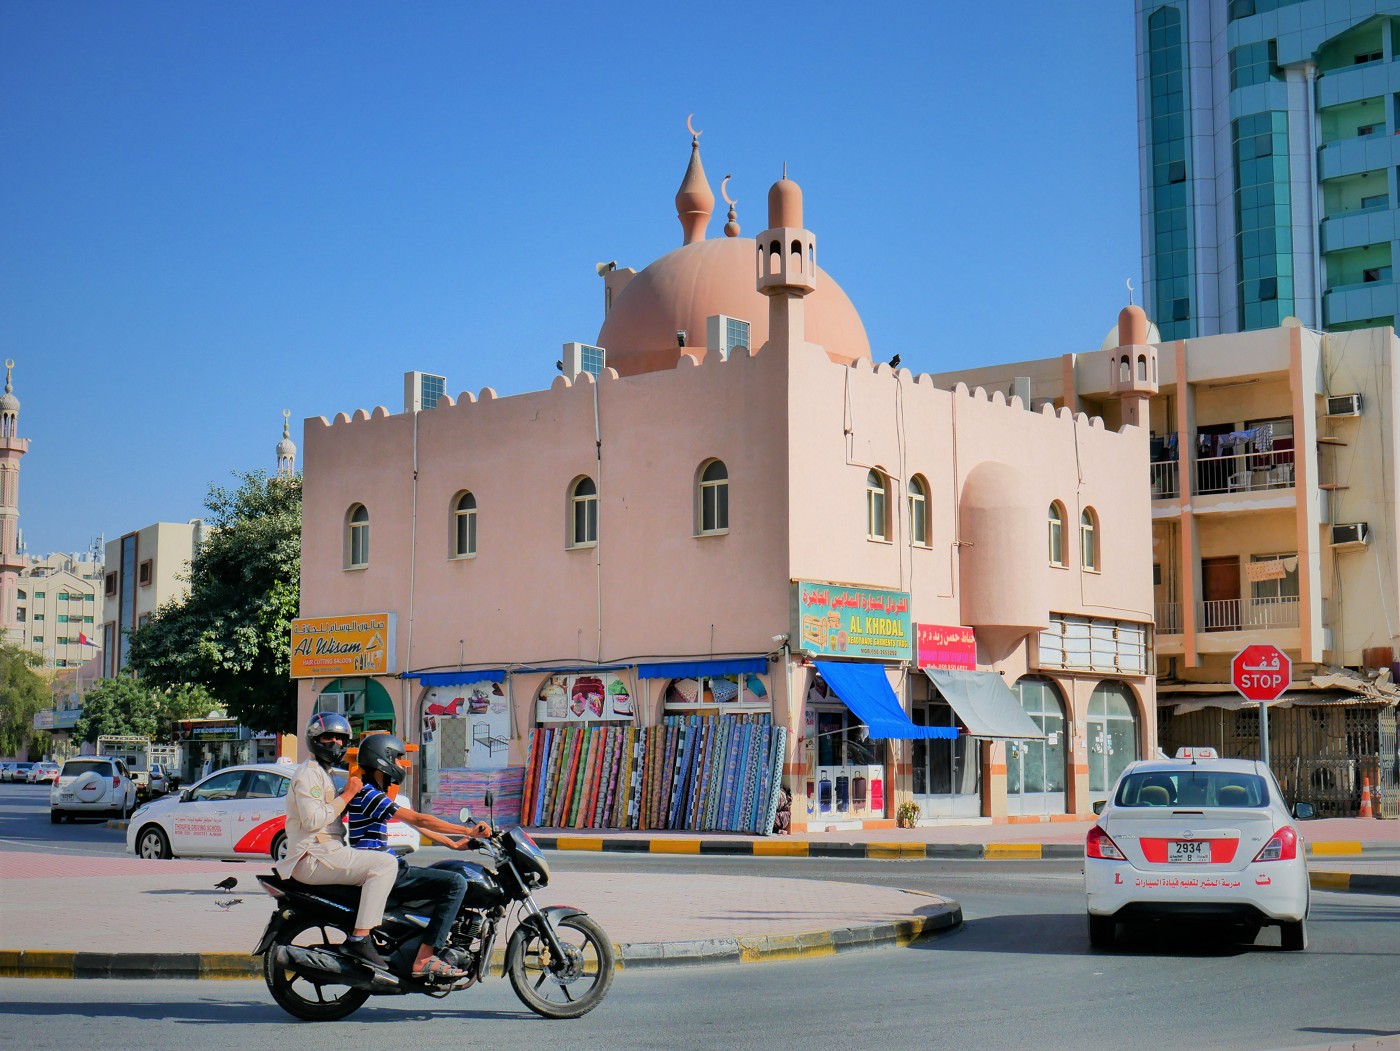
(238, 814)
(1198, 837)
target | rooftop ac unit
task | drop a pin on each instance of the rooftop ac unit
(1346, 534)
(1344, 405)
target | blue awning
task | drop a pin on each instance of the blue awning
(457, 678)
(868, 694)
(695, 669)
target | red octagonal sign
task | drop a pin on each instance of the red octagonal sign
(1261, 672)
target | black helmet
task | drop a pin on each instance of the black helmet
(322, 723)
(382, 752)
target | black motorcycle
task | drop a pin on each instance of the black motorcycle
(559, 961)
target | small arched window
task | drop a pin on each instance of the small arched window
(712, 501)
(357, 537)
(1057, 534)
(918, 511)
(1089, 540)
(583, 513)
(877, 515)
(464, 526)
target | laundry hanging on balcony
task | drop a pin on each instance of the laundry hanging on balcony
(1274, 569)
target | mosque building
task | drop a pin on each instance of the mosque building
(727, 551)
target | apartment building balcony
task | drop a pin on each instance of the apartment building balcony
(1167, 618)
(1247, 472)
(1247, 614)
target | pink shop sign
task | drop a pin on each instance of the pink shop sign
(951, 647)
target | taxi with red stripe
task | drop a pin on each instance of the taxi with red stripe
(1197, 837)
(238, 813)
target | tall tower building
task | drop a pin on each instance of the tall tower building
(12, 450)
(1267, 164)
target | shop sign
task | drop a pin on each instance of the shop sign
(602, 697)
(360, 644)
(467, 726)
(950, 647)
(834, 621)
(220, 730)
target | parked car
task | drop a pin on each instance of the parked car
(7, 771)
(158, 783)
(18, 773)
(1198, 838)
(238, 814)
(42, 773)
(99, 786)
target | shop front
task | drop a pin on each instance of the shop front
(465, 729)
(207, 745)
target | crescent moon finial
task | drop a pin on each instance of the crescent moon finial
(691, 128)
(287, 414)
(1130, 291)
(9, 363)
(725, 193)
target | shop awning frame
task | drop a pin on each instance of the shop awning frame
(457, 678)
(985, 704)
(865, 690)
(696, 669)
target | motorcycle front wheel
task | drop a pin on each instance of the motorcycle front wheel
(300, 996)
(561, 990)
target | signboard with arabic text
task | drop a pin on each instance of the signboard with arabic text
(829, 620)
(355, 644)
(950, 647)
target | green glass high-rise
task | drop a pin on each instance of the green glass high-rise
(1269, 152)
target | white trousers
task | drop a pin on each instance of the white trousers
(373, 871)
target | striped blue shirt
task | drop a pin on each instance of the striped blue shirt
(369, 812)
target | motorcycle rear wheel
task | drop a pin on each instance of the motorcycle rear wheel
(583, 982)
(299, 996)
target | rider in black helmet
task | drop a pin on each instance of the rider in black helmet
(381, 757)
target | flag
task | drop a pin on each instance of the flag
(83, 640)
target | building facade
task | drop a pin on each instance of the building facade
(59, 609)
(625, 600)
(1268, 165)
(144, 569)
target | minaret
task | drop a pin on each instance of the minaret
(1133, 367)
(787, 264)
(695, 201)
(12, 448)
(286, 449)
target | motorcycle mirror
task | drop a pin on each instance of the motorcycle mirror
(464, 816)
(489, 799)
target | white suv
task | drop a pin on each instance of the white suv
(98, 785)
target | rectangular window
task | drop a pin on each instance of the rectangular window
(1181, 309)
(143, 575)
(1379, 200)
(1268, 288)
(110, 584)
(38, 618)
(63, 618)
(1176, 171)
(38, 640)
(143, 620)
(1369, 129)
(38, 594)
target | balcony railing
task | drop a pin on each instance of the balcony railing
(1244, 472)
(1167, 616)
(1236, 614)
(1166, 480)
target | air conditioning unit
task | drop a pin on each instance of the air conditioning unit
(580, 357)
(1344, 405)
(1347, 534)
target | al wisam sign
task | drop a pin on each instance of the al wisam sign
(354, 644)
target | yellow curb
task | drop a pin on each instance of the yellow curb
(47, 963)
(10, 963)
(780, 849)
(580, 843)
(1335, 847)
(1330, 880)
(229, 965)
(1011, 851)
(907, 932)
(785, 947)
(881, 851)
(675, 846)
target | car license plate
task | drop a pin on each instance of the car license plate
(67, 797)
(1189, 851)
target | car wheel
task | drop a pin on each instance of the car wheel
(1294, 936)
(1102, 931)
(56, 816)
(279, 846)
(152, 844)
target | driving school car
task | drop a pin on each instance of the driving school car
(238, 814)
(1198, 837)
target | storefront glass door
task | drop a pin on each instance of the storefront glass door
(1035, 770)
(947, 774)
(1113, 737)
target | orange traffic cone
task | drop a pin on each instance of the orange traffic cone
(1365, 810)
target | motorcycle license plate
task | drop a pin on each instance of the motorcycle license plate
(1189, 851)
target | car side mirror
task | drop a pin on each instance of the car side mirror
(1098, 806)
(185, 795)
(1304, 811)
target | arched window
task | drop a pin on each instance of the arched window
(583, 513)
(1113, 736)
(464, 526)
(877, 515)
(1057, 534)
(918, 511)
(712, 502)
(1089, 540)
(357, 537)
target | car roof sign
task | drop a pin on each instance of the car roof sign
(1197, 752)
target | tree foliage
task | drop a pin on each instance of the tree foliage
(131, 706)
(23, 693)
(231, 634)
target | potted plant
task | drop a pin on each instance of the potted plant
(906, 815)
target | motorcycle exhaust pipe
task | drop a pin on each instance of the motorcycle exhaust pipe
(321, 966)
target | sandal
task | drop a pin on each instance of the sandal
(436, 967)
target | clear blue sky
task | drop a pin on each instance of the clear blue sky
(214, 211)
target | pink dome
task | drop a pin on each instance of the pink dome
(683, 288)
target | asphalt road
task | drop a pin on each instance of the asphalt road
(1020, 974)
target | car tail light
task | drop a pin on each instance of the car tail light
(116, 781)
(1101, 845)
(1283, 846)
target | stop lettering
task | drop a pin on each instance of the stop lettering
(1261, 672)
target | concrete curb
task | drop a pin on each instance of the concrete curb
(50, 963)
(1355, 882)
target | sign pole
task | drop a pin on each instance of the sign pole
(1264, 732)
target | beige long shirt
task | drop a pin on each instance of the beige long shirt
(314, 828)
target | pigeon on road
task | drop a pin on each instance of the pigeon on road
(229, 903)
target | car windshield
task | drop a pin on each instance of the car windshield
(1191, 787)
(75, 767)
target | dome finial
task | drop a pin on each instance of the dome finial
(9, 368)
(286, 448)
(731, 228)
(695, 201)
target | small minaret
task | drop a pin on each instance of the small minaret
(286, 449)
(695, 201)
(787, 263)
(12, 449)
(1133, 367)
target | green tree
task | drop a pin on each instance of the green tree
(23, 693)
(232, 634)
(131, 706)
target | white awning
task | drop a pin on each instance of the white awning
(985, 704)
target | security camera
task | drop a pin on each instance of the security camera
(780, 639)
(680, 337)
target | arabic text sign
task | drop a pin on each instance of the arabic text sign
(1261, 672)
(356, 644)
(951, 647)
(834, 621)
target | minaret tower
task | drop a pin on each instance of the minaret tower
(1133, 367)
(787, 264)
(12, 449)
(286, 449)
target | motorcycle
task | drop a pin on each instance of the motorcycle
(558, 960)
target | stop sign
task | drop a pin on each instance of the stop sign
(1261, 672)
